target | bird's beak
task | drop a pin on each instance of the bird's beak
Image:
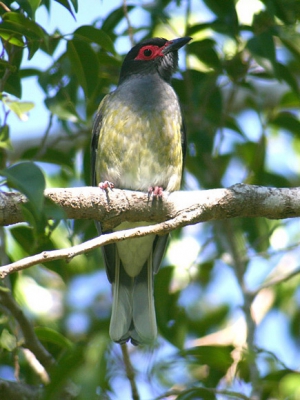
(176, 44)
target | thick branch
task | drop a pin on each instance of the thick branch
(182, 208)
(116, 206)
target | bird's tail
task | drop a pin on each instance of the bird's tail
(133, 312)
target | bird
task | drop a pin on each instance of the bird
(139, 143)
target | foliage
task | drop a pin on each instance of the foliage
(223, 330)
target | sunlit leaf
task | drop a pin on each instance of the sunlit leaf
(20, 108)
(8, 341)
(10, 36)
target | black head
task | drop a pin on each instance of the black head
(152, 56)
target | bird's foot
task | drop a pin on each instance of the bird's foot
(155, 191)
(106, 185)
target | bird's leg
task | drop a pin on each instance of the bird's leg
(155, 191)
(106, 185)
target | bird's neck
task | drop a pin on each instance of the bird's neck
(146, 89)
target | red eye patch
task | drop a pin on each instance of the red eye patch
(149, 52)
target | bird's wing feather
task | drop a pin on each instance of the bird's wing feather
(109, 251)
(159, 247)
(183, 144)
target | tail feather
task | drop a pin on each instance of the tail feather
(133, 312)
(122, 304)
(144, 319)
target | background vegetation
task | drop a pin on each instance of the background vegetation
(227, 297)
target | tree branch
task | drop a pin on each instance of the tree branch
(116, 205)
(130, 372)
(180, 208)
(19, 390)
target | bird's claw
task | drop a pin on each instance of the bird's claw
(106, 185)
(155, 191)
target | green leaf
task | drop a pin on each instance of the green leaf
(50, 155)
(217, 358)
(29, 180)
(34, 4)
(232, 124)
(193, 394)
(94, 35)
(290, 100)
(292, 44)
(10, 36)
(170, 319)
(50, 335)
(85, 65)
(204, 50)
(263, 45)
(23, 25)
(20, 108)
(5, 142)
(68, 6)
(8, 341)
(227, 19)
(61, 374)
(63, 108)
(289, 386)
(285, 74)
(24, 235)
(222, 9)
(75, 5)
(287, 121)
(13, 85)
(113, 19)
(17, 24)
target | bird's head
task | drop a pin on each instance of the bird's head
(156, 55)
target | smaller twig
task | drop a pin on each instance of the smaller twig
(227, 393)
(4, 6)
(69, 253)
(130, 30)
(130, 372)
(19, 390)
(276, 281)
(17, 367)
(42, 146)
(30, 338)
(36, 366)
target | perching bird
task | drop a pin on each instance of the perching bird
(139, 144)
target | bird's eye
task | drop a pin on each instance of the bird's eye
(147, 53)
